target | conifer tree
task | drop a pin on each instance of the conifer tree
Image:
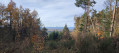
(66, 32)
(85, 4)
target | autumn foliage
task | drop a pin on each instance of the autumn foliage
(19, 27)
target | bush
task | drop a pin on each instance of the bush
(69, 44)
(91, 44)
(52, 45)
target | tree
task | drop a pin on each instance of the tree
(93, 21)
(66, 32)
(10, 9)
(44, 33)
(113, 20)
(34, 14)
(2, 12)
(78, 28)
(54, 35)
(85, 4)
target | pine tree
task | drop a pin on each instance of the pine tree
(66, 32)
(85, 4)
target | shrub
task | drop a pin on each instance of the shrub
(69, 44)
(52, 45)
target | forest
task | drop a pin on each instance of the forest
(21, 31)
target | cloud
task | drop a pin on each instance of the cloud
(55, 12)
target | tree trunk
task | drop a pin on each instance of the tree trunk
(85, 25)
(94, 31)
(113, 19)
(86, 19)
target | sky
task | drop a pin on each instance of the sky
(55, 13)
